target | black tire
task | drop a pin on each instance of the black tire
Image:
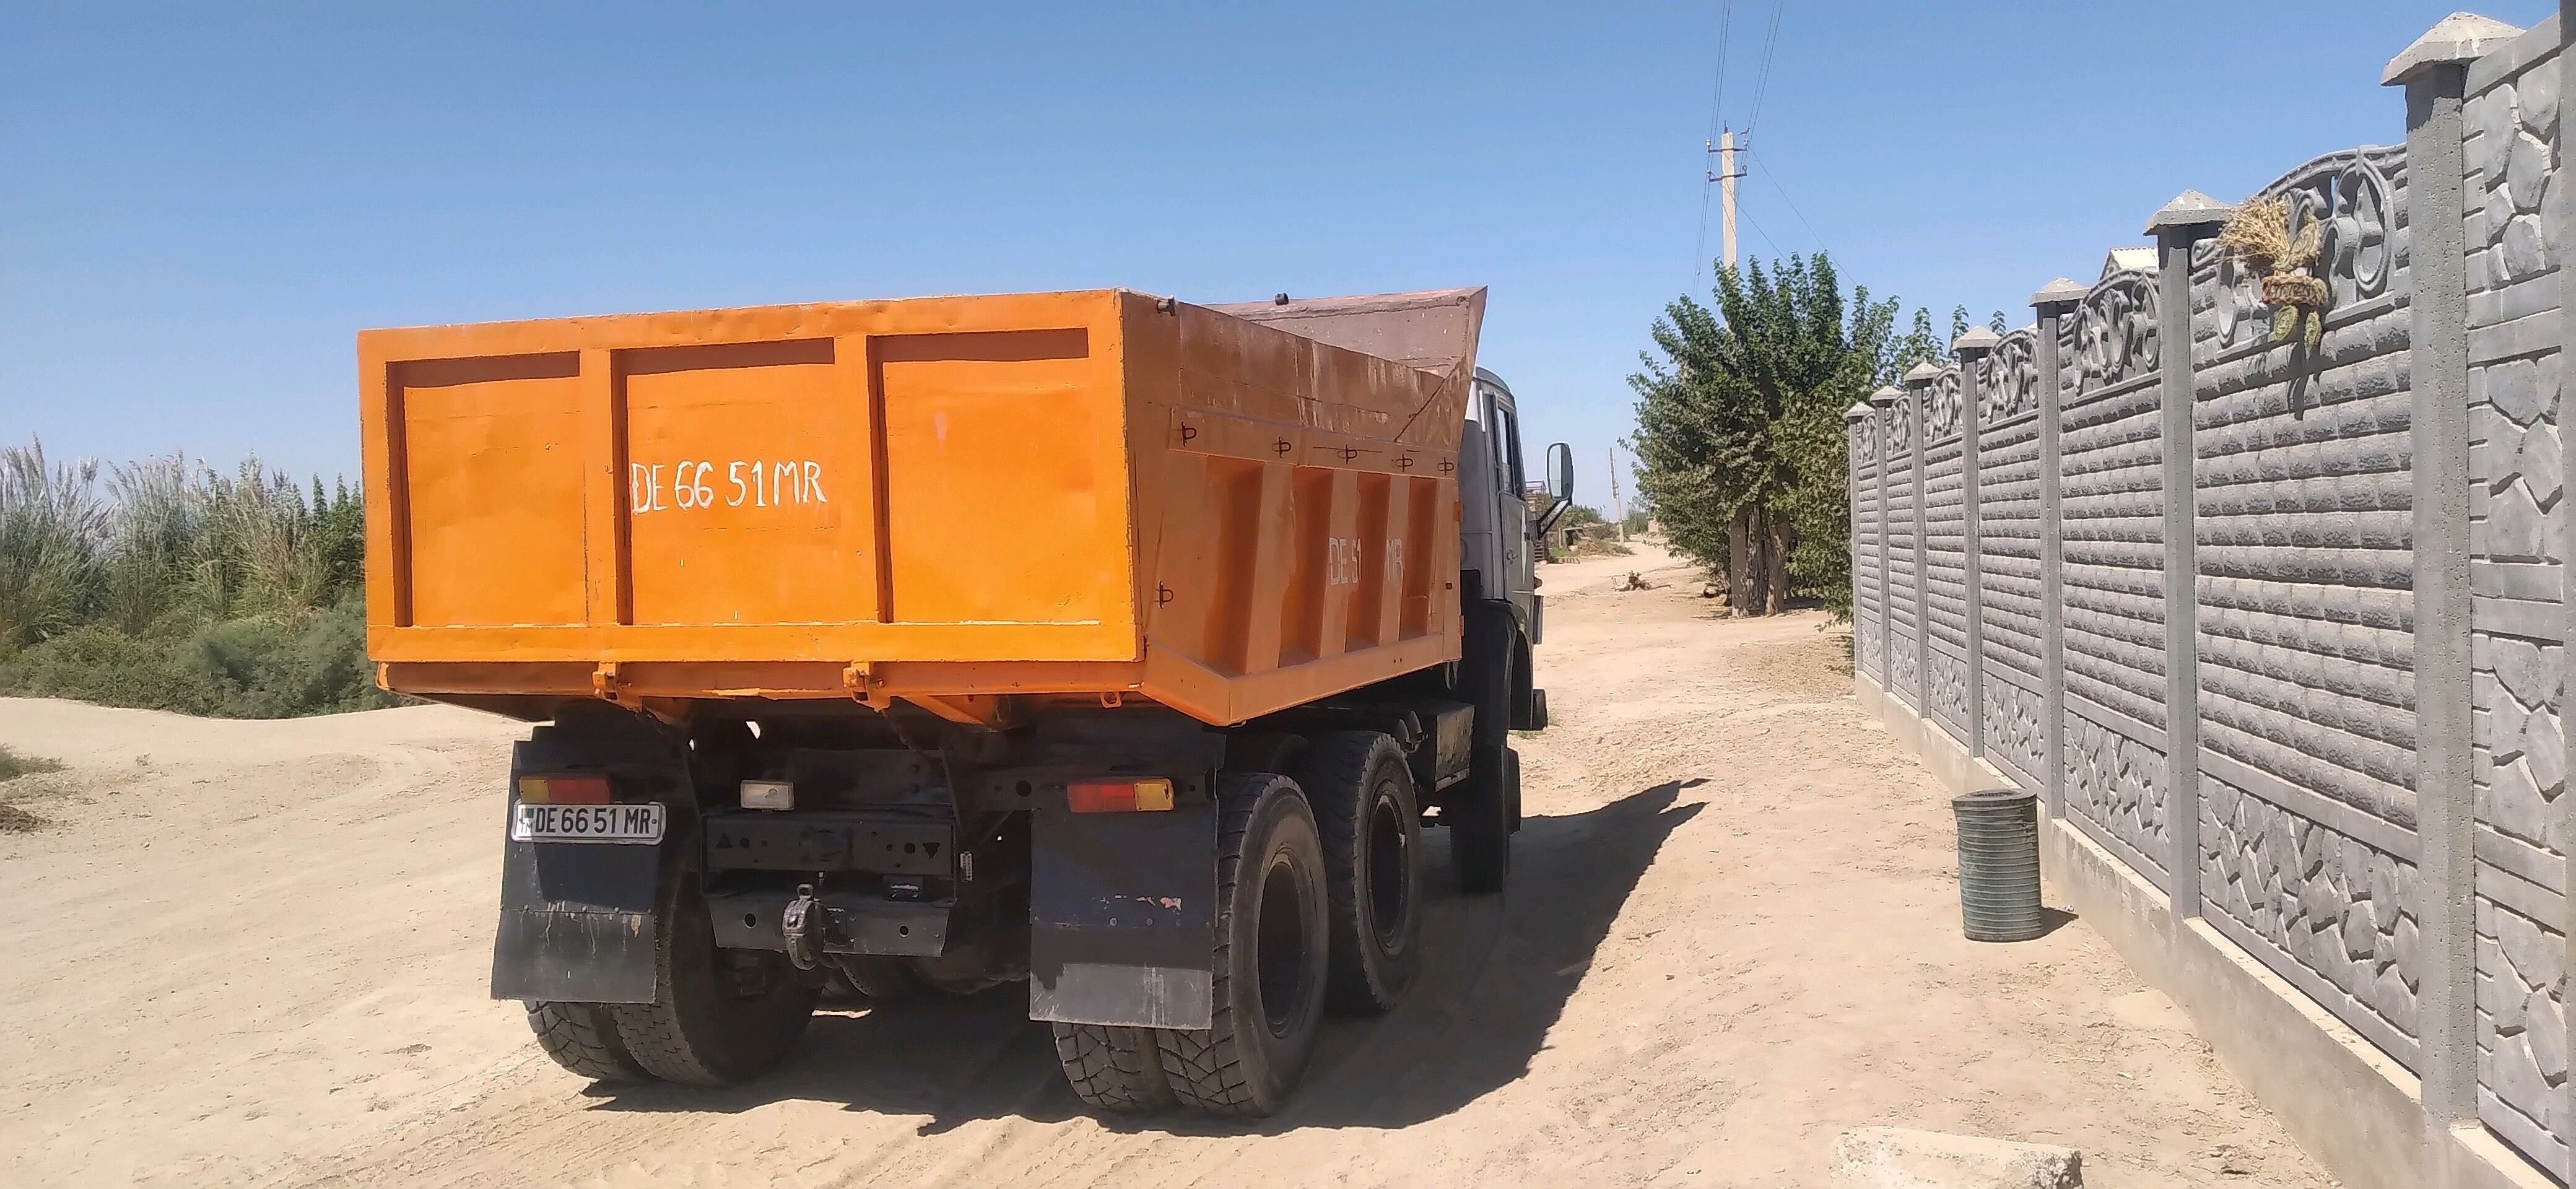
(582, 1038)
(1361, 792)
(1271, 955)
(882, 980)
(1478, 812)
(718, 1016)
(1527, 712)
(1113, 1069)
(1512, 787)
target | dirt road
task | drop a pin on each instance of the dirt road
(256, 953)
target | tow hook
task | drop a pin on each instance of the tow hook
(799, 923)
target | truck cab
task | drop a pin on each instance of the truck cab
(1500, 532)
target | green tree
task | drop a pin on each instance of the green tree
(1741, 446)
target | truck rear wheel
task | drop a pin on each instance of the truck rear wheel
(1271, 955)
(582, 1038)
(1113, 1069)
(1361, 792)
(1479, 810)
(718, 1016)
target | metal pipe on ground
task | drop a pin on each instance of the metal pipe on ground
(1999, 864)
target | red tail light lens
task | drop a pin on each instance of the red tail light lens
(563, 790)
(1119, 796)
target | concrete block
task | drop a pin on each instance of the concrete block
(1900, 1158)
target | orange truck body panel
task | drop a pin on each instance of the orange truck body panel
(958, 501)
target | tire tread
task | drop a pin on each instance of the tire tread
(657, 1035)
(1340, 762)
(1113, 1069)
(1203, 1067)
(583, 1038)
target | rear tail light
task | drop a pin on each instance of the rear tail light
(563, 790)
(1119, 796)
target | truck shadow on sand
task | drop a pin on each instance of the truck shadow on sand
(1496, 976)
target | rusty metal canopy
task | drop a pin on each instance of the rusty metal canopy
(1434, 330)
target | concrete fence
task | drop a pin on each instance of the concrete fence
(2275, 624)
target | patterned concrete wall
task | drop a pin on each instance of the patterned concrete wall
(2516, 534)
(1869, 588)
(2309, 667)
(1904, 591)
(2333, 914)
(2305, 574)
(2111, 449)
(1945, 556)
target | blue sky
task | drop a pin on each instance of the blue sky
(201, 205)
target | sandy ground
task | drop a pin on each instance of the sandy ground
(256, 953)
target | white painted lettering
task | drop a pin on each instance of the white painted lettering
(762, 483)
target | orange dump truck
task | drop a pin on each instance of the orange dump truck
(1098, 640)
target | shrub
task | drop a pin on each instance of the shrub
(184, 589)
(239, 668)
(16, 764)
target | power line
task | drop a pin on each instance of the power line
(1716, 101)
(1725, 30)
(1762, 81)
(1792, 205)
(1747, 216)
(1699, 249)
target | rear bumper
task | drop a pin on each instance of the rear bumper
(853, 923)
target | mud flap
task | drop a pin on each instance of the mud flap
(576, 923)
(577, 919)
(1122, 910)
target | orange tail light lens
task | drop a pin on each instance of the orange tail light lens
(1119, 796)
(563, 790)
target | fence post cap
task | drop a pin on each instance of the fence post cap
(1858, 410)
(2455, 40)
(1887, 394)
(2189, 210)
(1923, 373)
(2059, 292)
(1977, 338)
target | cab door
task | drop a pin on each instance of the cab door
(1511, 502)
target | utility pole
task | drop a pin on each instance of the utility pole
(1617, 508)
(1725, 179)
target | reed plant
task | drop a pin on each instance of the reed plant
(167, 583)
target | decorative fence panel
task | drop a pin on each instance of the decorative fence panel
(2013, 698)
(2111, 451)
(1904, 588)
(1869, 564)
(2305, 573)
(1945, 556)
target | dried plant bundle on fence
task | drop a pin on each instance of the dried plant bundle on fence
(2259, 234)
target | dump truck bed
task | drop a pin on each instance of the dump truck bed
(963, 502)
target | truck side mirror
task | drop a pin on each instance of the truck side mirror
(1560, 484)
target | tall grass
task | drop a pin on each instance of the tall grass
(169, 584)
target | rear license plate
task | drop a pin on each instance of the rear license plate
(637, 823)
